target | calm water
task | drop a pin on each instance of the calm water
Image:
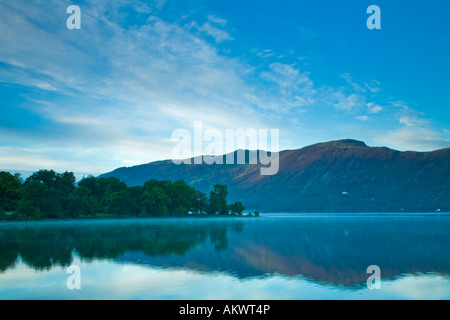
(280, 256)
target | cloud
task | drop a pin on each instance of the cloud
(216, 33)
(348, 99)
(288, 89)
(346, 102)
(117, 89)
(217, 20)
(264, 54)
(413, 139)
(415, 132)
(411, 120)
(214, 28)
(341, 99)
(111, 93)
(374, 108)
(287, 76)
(352, 84)
(373, 86)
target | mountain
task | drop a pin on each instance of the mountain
(336, 176)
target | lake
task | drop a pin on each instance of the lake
(275, 256)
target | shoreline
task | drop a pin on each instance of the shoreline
(262, 215)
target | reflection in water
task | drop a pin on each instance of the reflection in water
(45, 245)
(333, 251)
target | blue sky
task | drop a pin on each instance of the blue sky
(112, 93)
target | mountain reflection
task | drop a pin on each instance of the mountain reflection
(334, 250)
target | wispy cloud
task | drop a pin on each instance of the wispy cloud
(415, 132)
(219, 35)
(115, 90)
(121, 89)
(362, 118)
(374, 108)
(217, 20)
(411, 118)
(414, 139)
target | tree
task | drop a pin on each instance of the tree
(218, 200)
(47, 194)
(47, 177)
(159, 202)
(34, 201)
(66, 183)
(112, 184)
(236, 208)
(82, 204)
(55, 192)
(135, 201)
(90, 183)
(182, 198)
(9, 191)
(100, 191)
(119, 204)
(199, 203)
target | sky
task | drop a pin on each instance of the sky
(112, 93)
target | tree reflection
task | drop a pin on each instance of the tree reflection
(43, 247)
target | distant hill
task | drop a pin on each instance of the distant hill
(337, 176)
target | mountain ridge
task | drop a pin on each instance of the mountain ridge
(336, 176)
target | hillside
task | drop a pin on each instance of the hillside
(337, 176)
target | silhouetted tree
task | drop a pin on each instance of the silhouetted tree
(9, 191)
(34, 202)
(236, 208)
(47, 194)
(159, 202)
(218, 200)
(200, 203)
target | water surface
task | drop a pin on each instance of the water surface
(276, 256)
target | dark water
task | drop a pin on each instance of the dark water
(276, 256)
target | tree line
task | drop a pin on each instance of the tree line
(50, 195)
